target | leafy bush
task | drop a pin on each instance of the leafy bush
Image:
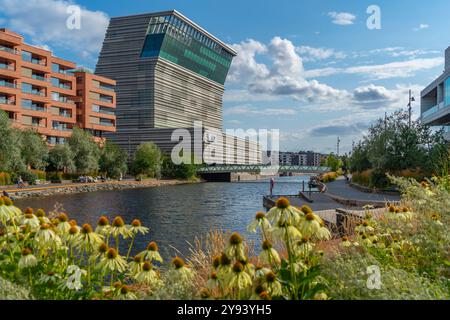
(183, 171)
(42, 175)
(329, 177)
(28, 176)
(5, 179)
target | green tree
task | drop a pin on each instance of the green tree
(113, 160)
(333, 162)
(85, 150)
(183, 171)
(359, 160)
(34, 149)
(61, 158)
(10, 146)
(147, 160)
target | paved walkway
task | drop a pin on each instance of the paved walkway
(340, 188)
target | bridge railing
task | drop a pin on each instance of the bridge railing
(262, 169)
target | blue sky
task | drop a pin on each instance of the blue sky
(309, 68)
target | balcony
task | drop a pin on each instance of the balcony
(7, 84)
(35, 92)
(433, 111)
(5, 66)
(6, 101)
(8, 50)
(61, 127)
(40, 78)
(34, 107)
(65, 114)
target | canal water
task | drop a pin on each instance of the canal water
(174, 214)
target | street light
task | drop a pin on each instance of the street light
(410, 101)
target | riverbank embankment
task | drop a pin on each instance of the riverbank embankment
(53, 189)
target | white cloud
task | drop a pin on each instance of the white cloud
(342, 18)
(399, 69)
(285, 76)
(313, 54)
(250, 110)
(422, 26)
(44, 21)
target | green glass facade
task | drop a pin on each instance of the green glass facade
(172, 39)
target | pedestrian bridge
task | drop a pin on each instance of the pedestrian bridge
(262, 169)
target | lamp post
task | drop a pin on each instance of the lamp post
(410, 101)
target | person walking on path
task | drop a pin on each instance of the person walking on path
(272, 185)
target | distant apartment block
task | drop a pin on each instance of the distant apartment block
(301, 158)
(40, 91)
(435, 100)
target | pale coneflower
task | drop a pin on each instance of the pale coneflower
(49, 278)
(89, 239)
(236, 247)
(261, 222)
(135, 266)
(151, 253)
(40, 213)
(224, 266)
(365, 227)
(282, 231)
(125, 293)
(45, 236)
(179, 271)
(346, 242)
(73, 237)
(30, 220)
(63, 225)
(283, 213)
(310, 224)
(213, 281)
(113, 262)
(238, 279)
(148, 275)
(272, 285)
(7, 210)
(103, 226)
(269, 255)
(303, 247)
(136, 227)
(27, 259)
(119, 228)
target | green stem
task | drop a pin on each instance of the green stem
(291, 264)
(131, 245)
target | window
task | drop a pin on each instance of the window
(27, 56)
(55, 67)
(55, 82)
(55, 96)
(27, 88)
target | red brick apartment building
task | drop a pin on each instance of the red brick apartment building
(48, 94)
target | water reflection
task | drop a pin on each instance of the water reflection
(174, 214)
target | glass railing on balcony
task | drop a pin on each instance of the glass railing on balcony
(65, 86)
(107, 88)
(9, 50)
(34, 107)
(7, 67)
(6, 101)
(61, 128)
(35, 61)
(106, 123)
(7, 84)
(65, 114)
(433, 110)
(35, 92)
(38, 77)
(107, 100)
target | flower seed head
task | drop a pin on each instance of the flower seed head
(282, 203)
(29, 216)
(147, 266)
(118, 222)
(216, 262)
(112, 253)
(103, 221)
(45, 226)
(264, 295)
(103, 248)
(306, 209)
(86, 228)
(28, 210)
(310, 216)
(26, 251)
(178, 263)
(344, 238)
(73, 230)
(267, 245)
(235, 239)
(152, 246)
(124, 290)
(8, 202)
(40, 213)
(271, 277)
(238, 267)
(224, 260)
(136, 223)
(137, 259)
(63, 217)
(391, 209)
(213, 276)
(73, 223)
(260, 215)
